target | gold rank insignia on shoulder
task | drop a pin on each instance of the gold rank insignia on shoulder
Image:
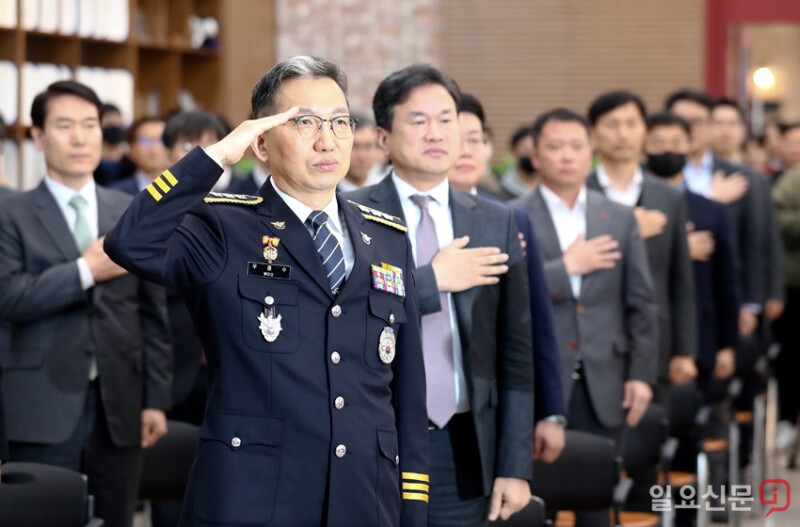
(380, 217)
(161, 185)
(233, 199)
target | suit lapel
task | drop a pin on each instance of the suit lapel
(467, 221)
(107, 217)
(593, 183)
(544, 227)
(384, 197)
(293, 235)
(53, 222)
(596, 225)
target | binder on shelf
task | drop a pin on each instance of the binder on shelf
(49, 15)
(33, 165)
(30, 15)
(8, 14)
(111, 85)
(9, 95)
(35, 78)
(68, 22)
(10, 166)
(87, 22)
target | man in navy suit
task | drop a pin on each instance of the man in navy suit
(711, 248)
(549, 406)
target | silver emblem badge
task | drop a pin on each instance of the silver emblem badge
(387, 345)
(270, 325)
(366, 239)
(280, 225)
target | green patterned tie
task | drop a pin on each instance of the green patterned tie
(83, 239)
(82, 231)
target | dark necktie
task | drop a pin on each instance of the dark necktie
(437, 337)
(327, 247)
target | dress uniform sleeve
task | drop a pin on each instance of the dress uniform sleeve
(411, 410)
(157, 349)
(168, 235)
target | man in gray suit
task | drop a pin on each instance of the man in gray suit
(618, 132)
(88, 371)
(600, 285)
(476, 325)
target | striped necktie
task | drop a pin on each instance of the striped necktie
(328, 248)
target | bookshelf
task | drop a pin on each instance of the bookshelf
(158, 54)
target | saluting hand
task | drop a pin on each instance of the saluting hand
(231, 148)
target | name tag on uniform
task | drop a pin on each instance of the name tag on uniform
(266, 270)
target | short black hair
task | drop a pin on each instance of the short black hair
(668, 119)
(729, 103)
(130, 135)
(759, 139)
(519, 134)
(192, 125)
(57, 89)
(112, 108)
(470, 104)
(610, 101)
(561, 115)
(694, 96)
(396, 88)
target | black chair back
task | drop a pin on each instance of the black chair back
(167, 464)
(582, 478)
(684, 402)
(35, 495)
(643, 443)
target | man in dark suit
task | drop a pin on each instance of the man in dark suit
(618, 131)
(549, 406)
(600, 286)
(89, 362)
(716, 179)
(146, 151)
(307, 313)
(475, 325)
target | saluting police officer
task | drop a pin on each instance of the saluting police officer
(306, 306)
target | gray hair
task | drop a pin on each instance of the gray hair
(265, 92)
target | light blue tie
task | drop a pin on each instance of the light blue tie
(327, 247)
(83, 239)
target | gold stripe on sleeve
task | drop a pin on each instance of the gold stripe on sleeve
(153, 192)
(415, 486)
(163, 186)
(169, 177)
(417, 477)
(415, 496)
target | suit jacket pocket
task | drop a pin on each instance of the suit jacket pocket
(269, 304)
(238, 466)
(17, 359)
(387, 489)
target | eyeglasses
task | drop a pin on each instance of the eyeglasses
(149, 141)
(310, 126)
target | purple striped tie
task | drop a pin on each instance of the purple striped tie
(437, 337)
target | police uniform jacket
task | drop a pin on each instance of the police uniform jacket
(315, 427)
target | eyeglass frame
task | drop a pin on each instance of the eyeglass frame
(319, 129)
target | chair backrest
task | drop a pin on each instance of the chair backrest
(167, 464)
(35, 495)
(684, 402)
(532, 515)
(582, 478)
(642, 448)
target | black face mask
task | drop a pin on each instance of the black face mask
(113, 135)
(526, 165)
(667, 164)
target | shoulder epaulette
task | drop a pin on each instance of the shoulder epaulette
(380, 217)
(233, 199)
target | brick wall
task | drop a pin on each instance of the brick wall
(369, 39)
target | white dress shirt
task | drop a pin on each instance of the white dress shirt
(141, 180)
(630, 196)
(439, 209)
(62, 195)
(303, 211)
(698, 178)
(569, 224)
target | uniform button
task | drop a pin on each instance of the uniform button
(335, 357)
(396, 460)
(341, 450)
(391, 318)
(269, 300)
(336, 311)
(576, 375)
(573, 345)
(236, 442)
(579, 309)
(339, 403)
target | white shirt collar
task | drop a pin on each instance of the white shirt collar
(605, 181)
(553, 201)
(63, 193)
(141, 180)
(440, 193)
(303, 211)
